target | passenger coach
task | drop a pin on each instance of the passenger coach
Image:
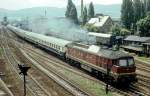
(52, 44)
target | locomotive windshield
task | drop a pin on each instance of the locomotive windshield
(130, 62)
(126, 62)
(123, 62)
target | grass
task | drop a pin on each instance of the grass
(143, 58)
(1, 51)
(93, 87)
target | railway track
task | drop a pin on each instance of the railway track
(12, 78)
(71, 87)
(129, 92)
(33, 86)
(143, 76)
(5, 91)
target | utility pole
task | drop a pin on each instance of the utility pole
(82, 8)
(23, 71)
(45, 13)
(107, 81)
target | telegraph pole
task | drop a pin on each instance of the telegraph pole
(107, 81)
(82, 8)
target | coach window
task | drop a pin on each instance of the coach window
(55, 46)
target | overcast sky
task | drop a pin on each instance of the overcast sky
(20, 4)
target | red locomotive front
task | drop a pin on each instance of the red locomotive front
(124, 69)
(98, 60)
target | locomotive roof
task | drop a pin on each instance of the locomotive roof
(50, 39)
(107, 53)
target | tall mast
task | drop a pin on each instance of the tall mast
(45, 13)
(82, 8)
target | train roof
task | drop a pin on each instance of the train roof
(50, 39)
(102, 35)
(97, 50)
(53, 40)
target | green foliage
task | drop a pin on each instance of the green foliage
(147, 5)
(71, 12)
(137, 5)
(142, 9)
(116, 30)
(127, 13)
(84, 15)
(91, 11)
(144, 26)
(92, 28)
(125, 32)
(1, 51)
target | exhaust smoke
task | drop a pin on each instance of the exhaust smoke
(60, 27)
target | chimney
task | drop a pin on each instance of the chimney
(99, 19)
(45, 13)
(81, 8)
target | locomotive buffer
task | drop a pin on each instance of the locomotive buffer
(23, 71)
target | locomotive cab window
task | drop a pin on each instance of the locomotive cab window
(126, 62)
(123, 62)
(130, 62)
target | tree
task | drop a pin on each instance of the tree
(69, 6)
(127, 13)
(147, 6)
(116, 30)
(144, 26)
(5, 21)
(71, 12)
(84, 18)
(125, 32)
(144, 4)
(137, 5)
(143, 9)
(91, 12)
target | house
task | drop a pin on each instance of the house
(103, 39)
(102, 23)
(136, 44)
(136, 40)
(146, 49)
